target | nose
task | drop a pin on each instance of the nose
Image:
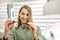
(25, 16)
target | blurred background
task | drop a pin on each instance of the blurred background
(45, 14)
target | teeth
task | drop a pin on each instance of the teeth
(24, 19)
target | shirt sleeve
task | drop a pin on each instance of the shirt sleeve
(4, 38)
(11, 35)
(39, 34)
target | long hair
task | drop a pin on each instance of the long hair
(30, 16)
(29, 11)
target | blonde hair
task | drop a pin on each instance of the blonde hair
(30, 16)
(29, 11)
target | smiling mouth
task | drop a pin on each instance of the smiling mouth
(24, 19)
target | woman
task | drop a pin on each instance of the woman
(26, 30)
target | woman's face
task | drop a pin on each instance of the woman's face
(24, 15)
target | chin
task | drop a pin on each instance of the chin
(24, 22)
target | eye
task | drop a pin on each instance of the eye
(27, 14)
(22, 13)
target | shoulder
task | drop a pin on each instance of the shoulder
(38, 28)
(41, 37)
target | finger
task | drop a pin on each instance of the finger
(10, 22)
(30, 23)
(10, 26)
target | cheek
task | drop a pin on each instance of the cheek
(20, 16)
(28, 19)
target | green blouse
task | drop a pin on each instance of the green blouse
(23, 33)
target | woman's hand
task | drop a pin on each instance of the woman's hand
(8, 24)
(33, 29)
(32, 26)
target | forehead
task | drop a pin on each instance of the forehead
(24, 10)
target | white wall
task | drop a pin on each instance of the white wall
(12, 1)
(52, 7)
(3, 16)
